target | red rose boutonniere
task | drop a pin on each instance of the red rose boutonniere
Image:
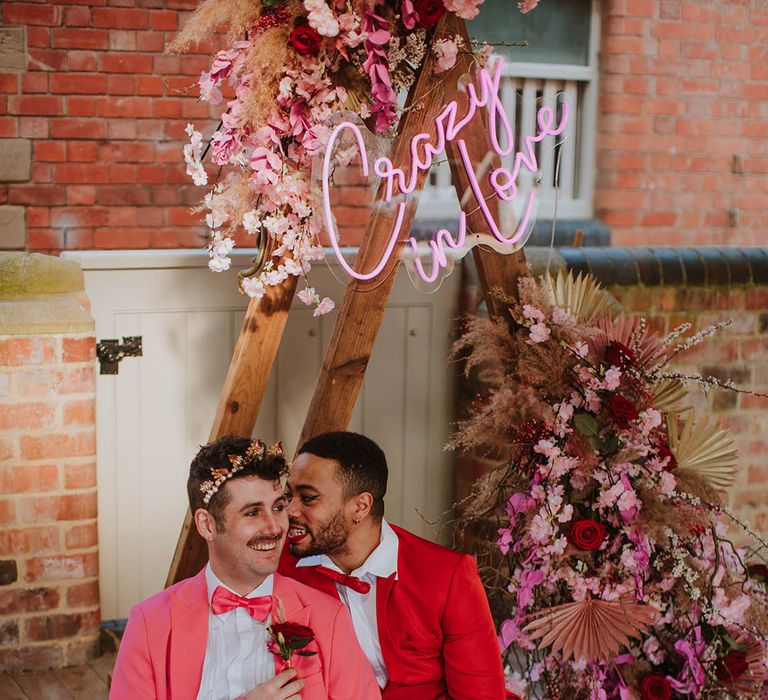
(289, 638)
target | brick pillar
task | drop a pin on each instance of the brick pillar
(49, 592)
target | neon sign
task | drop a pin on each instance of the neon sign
(423, 151)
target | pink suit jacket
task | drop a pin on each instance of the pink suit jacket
(162, 652)
(435, 627)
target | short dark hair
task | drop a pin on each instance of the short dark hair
(362, 464)
(216, 455)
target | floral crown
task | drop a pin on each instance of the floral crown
(219, 475)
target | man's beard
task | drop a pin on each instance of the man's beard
(328, 538)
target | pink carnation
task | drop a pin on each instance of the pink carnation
(466, 9)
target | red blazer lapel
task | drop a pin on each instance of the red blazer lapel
(386, 625)
(189, 636)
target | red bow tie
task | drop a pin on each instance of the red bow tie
(344, 579)
(224, 601)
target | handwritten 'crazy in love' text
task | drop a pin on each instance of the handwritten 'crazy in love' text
(424, 148)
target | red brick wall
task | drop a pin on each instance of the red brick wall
(49, 589)
(682, 142)
(682, 124)
(105, 110)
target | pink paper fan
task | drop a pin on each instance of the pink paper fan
(591, 629)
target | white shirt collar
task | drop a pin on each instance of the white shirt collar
(265, 588)
(381, 562)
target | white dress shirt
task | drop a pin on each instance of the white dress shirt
(236, 654)
(381, 563)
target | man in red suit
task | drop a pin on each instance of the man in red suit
(419, 610)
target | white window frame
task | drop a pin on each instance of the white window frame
(527, 80)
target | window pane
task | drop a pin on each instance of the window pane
(557, 31)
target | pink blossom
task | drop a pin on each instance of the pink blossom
(527, 5)
(504, 540)
(308, 296)
(265, 164)
(466, 9)
(560, 316)
(325, 306)
(539, 333)
(612, 379)
(532, 313)
(529, 579)
(446, 51)
(692, 677)
(408, 14)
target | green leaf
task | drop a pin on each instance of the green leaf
(586, 424)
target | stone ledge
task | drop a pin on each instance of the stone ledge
(44, 317)
(655, 267)
(35, 276)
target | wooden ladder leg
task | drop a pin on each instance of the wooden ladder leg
(240, 399)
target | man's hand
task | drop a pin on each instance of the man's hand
(281, 687)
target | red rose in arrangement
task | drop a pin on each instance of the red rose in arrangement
(587, 534)
(288, 638)
(429, 12)
(619, 355)
(732, 667)
(655, 687)
(305, 40)
(622, 410)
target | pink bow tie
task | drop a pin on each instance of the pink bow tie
(224, 601)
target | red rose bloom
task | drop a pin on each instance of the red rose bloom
(619, 355)
(293, 630)
(665, 452)
(655, 687)
(587, 535)
(305, 40)
(732, 667)
(622, 410)
(429, 11)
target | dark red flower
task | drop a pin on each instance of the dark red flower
(619, 355)
(664, 452)
(305, 40)
(293, 630)
(758, 571)
(654, 686)
(732, 667)
(587, 534)
(622, 410)
(429, 12)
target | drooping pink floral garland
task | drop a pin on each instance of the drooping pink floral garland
(339, 55)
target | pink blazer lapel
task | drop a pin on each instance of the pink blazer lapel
(189, 636)
(287, 607)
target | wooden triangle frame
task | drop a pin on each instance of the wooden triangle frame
(362, 308)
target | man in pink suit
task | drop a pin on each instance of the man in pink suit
(208, 637)
(419, 610)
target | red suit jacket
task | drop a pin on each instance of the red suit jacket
(162, 652)
(435, 627)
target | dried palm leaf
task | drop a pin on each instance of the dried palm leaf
(668, 393)
(582, 297)
(633, 332)
(703, 448)
(749, 682)
(591, 629)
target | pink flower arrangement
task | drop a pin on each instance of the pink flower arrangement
(609, 498)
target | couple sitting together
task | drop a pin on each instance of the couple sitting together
(359, 609)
